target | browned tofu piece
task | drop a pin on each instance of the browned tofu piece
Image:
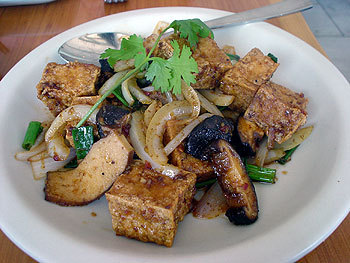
(245, 77)
(278, 111)
(147, 205)
(179, 158)
(212, 62)
(61, 83)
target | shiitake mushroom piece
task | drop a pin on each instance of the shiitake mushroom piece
(247, 137)
(235, 183)
(211, 129)
(111, 117)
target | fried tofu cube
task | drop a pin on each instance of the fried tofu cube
(212, 62)
(245, 77)
(147, 205)
(61, 83)
(278, 111)
(187, 162)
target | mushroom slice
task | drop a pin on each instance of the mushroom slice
(106, 159)
(235, 184)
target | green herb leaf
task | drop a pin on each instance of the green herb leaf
(130, 48)
(182, 66)
(159, 74)
(233, 57)
(190, 29)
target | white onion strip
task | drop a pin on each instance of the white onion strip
(191, 96)
(217, 97)
(25, 155)
(155, 130)
(54, 138)
(261, 153)
(126, 92)
(208, 106)
(41, 167)
(111, 81)
(297, 138)
(138, 141)
(170, 147)
(137, 92)
(150, 111)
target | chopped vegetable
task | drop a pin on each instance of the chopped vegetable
(288, 155)
(233, 57)
(261, 174)
(33, 130)
(275, 59)
(83, 139)
(72, 164)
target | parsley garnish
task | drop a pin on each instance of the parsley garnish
(165, 75)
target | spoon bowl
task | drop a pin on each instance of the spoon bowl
(87, 48)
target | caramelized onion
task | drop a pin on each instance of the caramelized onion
(208, 106)
(111, 81)
(217, 97)
(212, 204)
(155, 130)
(191, 96)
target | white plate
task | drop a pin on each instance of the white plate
(296, 213)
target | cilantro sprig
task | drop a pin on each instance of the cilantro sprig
(165, 75)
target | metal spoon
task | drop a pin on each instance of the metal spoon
(87, 48)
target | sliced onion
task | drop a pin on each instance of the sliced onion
(111, 81)
(126, 92)
(191, 96)
(138, 141)
(208, 106)
(170, 147)
(274, 155)
(212, 204)
(155, 130)
(297, 138)
(150, 111)
(169, 97)
(122, 65)
(40, 156)
(54, 136)
(41, 167)
(217, 97)
(25, 155)
(137, 92)
(261, 153)
(148, 89)
(179, 96)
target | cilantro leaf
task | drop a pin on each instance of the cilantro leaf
(190, 29)
(166, 75)
(182, 66)
(159, 74)
(130, 48)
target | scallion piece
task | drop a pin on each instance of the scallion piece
(118, 93)
(288, 155)
(233, 57)
(275, 59)
(261, 174)
(83, 138)
(33, 130)
(205, 183)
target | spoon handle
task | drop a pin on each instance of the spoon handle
(282, 8)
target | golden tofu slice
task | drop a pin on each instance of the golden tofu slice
(212, 62)
(245, 77)
(61, 83)
(278, 111)
(147, 205)
(179, 158)
(106, 159)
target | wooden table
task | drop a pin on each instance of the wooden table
(24, 28)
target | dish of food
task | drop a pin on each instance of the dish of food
(96, 236)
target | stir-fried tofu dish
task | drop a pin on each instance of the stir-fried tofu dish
(167, 125)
